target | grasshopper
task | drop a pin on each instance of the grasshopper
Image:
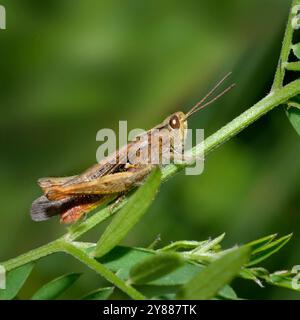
(73, 197)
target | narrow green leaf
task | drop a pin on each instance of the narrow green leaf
(253, 275)
(293, 66)
(267, 250)
(56, 287)
(285, 279)
(293, 114)
(181, 245)
(211, 244)
(155, 267)
(296, 50)
(15, 280)
(281, 281)
(207, 283)
(129, 215)
(99, 294)
(227, 293)
(260, 242)
(288, 279)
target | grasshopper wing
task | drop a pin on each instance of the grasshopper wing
(45, 207)
(49, 182)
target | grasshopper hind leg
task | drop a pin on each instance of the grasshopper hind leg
(43, 209)
(111, 184)
(70, 209)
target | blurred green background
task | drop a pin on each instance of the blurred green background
(69, 68)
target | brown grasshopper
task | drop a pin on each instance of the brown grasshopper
(72, 197)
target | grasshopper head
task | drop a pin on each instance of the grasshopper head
(177, 124)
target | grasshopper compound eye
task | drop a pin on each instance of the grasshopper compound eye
(174, 122)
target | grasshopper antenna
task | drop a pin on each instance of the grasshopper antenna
(201, 104)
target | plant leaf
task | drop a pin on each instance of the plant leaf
(99, 294)
(181, 245)
(122, 259)
(284, 281)
(250, 274)
(209, 245)
(293, 66)
(129, 215)
(207, 283)
(227, 293)
(296, 50)
(267, 250)
(56, 287)
(155, 267)
(294, 117)
(15, 280)
(260, 242)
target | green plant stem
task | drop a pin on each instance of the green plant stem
(211, 143)
(285, 51)
(33, 255)
(102, 270)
